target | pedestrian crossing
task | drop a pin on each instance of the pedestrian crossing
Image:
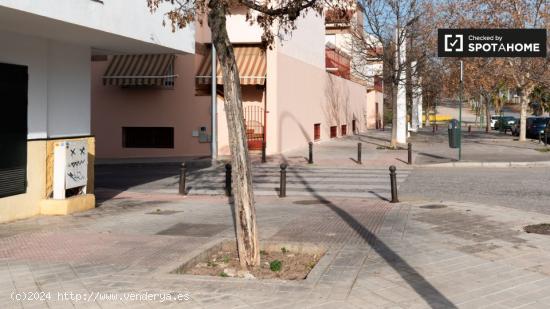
(303, 181)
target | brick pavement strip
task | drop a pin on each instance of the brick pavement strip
(379, 255)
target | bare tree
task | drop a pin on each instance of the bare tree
(392, 34)
(520, 73)
(275, 18)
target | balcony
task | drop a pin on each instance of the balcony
(337, 62)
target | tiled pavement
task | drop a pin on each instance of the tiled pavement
(379, 255)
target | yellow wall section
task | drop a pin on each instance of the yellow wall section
(28, 204)
(40, 184)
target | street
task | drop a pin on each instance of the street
(519, 188)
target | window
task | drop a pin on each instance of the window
(316, 131)
(168, 82)
(333, 131)
(13, 129)
(344, 129)
(148, 137)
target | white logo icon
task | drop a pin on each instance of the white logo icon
(454, 42)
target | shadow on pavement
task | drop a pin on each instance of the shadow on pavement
(415, 280)
(112, 179)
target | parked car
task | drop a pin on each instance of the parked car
(536, 125)
(532, 124)
(546, 135)
(515, 128)
(505, 122)
(494, 119)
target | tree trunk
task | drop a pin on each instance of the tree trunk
(523, 119)
(243, 196)
(487, 114)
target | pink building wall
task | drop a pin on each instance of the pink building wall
(374, 97)
(299, 93)
(324, 98)
(115, 107)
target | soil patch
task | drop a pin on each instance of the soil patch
(278, 261)
(543, 228)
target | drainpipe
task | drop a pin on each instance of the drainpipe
(214, 125)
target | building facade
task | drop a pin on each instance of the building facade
(45, 78)
(290, 97)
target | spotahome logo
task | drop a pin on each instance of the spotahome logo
(491, 42)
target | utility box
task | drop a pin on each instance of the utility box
(204, 137)
(454, 134)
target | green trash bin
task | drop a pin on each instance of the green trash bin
(454, 134)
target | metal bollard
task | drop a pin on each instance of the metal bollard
(183, 176)
(282, 183)
(540, 138)
(469, 128)
(433, 129)
(228, 189)
(359, 146)
(263, 152)
(310, 160)
(393, 182)
(409, 154)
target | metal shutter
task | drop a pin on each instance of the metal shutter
(13, 129)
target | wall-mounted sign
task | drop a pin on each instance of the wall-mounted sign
(76, 173)
(70, 167)
(491, 42)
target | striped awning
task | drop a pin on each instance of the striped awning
(251, 63)
(139, 70)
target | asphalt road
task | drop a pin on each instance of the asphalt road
(520, 188)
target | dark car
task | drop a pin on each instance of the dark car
(506, 123)
(536, 125)
(546, 135)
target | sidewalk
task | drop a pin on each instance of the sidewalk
(379, 255)
(342, 152)
(478, 146)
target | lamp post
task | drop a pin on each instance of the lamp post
(460, 110)
(214, 107)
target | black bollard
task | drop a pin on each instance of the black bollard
(183, 176)
(263, 152)
(310, 160)
(393, 182)
(433, 129)
(282, 184)
(228, 189)
(470, 129)
(409, 154)
(359, 146)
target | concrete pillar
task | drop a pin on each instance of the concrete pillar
(401, 112)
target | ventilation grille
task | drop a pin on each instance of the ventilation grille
(13, 181)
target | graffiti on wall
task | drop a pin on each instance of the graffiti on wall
(76, 172)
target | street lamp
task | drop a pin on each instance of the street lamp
(460, 110)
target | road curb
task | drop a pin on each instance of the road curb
(487, 164)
